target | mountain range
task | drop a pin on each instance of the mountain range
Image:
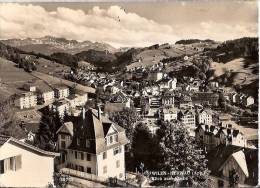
(48, 45)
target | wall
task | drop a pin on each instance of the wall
(110, 162)
(36, 170)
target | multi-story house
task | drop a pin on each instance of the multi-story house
(118, 102)
(77, 100)
(205, 135)
(26, 100)
(185, 102)
(204, 116)
(61, 92)
(188, 118)
(169, 114)
(96, 147)
(61, 107)
(23, 165)
(168, 100)
(223, 161)
(168, 84)
(230, 136)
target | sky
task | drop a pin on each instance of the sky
(132, 23)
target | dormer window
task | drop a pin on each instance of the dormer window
(111, 139)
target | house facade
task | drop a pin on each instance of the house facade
(23, 165)
(61, 92)
(204, 116)
(97, 146)
(26, 100)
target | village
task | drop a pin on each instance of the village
(89, 149)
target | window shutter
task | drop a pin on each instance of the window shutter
(18, 162)
(2, 167)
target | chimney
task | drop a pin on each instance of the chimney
(83, 113)
(99, 112)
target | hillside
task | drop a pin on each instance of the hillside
(241, 73)
(48, 45)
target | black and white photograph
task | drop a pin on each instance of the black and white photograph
(129, 93)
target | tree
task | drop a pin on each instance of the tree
(145, 148)
(9, 124)
(127, 119)
(183, 159)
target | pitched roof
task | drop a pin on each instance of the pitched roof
(67, 127)
(4, 139)
(246, 158)
(240, 158)
(94, 129)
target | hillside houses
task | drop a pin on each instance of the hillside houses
(61, 92)
(118, 102)
(95, 147)
(26, 100)
(212, 136)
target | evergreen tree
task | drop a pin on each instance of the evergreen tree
(183, 159)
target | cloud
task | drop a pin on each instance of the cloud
(112, 25)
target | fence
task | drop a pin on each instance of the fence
(95, 178)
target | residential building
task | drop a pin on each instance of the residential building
(61, 92)
(61, 107)
(26, 100)
(77, 100)
(247, 100)
(185, 102)
(204, 116)
(29, 87)
(118, 102)
(188, 118)
(97, 147)
(47, 96)
(205, 98)
(155, 76)
(168, 100)
(168, 84)
(224, 160)
(169, 114)
(23, 165)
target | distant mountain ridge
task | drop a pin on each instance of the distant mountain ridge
(48, 45)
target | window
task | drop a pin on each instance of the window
(76, 156)
(111, 139)
(12, 163)
(88, 157)
(63, 145)
(78, 142)
(88, 170)
(87, 143)
(81, 168)
(105, 155)
(82, 156)
(116, 137)
(117, 163)
(117, 150)
(62, 136)
(104, 169)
